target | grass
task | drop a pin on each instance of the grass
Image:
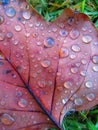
(50, 9)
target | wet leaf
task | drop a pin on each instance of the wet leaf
(56, 61)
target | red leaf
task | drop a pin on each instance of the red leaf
(57, 61)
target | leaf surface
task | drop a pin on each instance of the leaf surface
(56, 61)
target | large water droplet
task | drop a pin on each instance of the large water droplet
(75, 48)
(95, 59)
(87, 39)
(10, 12)
(49, 42)
(1, 19)
(64, 52)
(22, 102)
(74, 34)
(1, 36)
(42, 84)
(95, 68)
(18, 28)
(9, 34)
(68, 84)
(7, 119)
(45, 63)
(78, 101)
(89, 84)
(63, 33)
(90, 96)
(27, 15)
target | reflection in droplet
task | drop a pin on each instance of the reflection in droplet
(7, 119)
(10, 12)
(42, 84)
(95, 59)
(90, 96)
(64, 52)
(89, 84)
(18, 28)
(95, 68)
(45, 63)
(74, 34)
(70, 20)
(22, 102)
(76, 48)
(27, 15)
(63, 33)
(1, 19)
(68, 84)
(49, 42)
(87, 39)
(78, 101)
(9, 34)
(1, 36)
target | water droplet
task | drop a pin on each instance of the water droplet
(63, 33)
(22, 102)
(42, 84)
(83, 61)
(70, 20)
(89, 84)
(74, 70)
(87, 39)
(16, 42)
(25, 6)
(83, 73)
(37, 24)
(45, 63)
(1, 19)
(74, 34)
(78, 101)
(10, 12)
(19, 93)
(2, 36)
(18, 28)
(75, 48)
(39, 43)
(95, 59)
(72, 56)
(90, 96)
(9, 34)
(95, 68)
(64, 52)
(68, 84)
(64, 101)
(7, 119)
(27, 15)
(49, 42)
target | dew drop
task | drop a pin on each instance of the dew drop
(27, 15)
(7, 119)
(74, 34)
(2, 36)
(74, 70)
(1, 19)
(68, 84)
(10, 12)
(22, 103)
(9, 34)
(49, 42)
(75, 48)
(90, 96)
(78, 101)
(95, 68)
(95, 59)
(89, 84)
(63, 52)
(18, 28)
(45, 63)
(63, 33)
(87, 39)
(42, 84)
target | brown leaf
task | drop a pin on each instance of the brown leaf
(57, 61)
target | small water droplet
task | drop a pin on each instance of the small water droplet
(18, 28)
(1, 36)
(74, 70)
(72, 56)
(9, 34)
(75, 48)
(19, 93)
(64, 52)
(16, 42)
(38, 23)
(27, 34)
(83, 73)
(22, 102)
(74, 34)
(87, 39)
(45, 63)
(49, 42)
(95, 59)
(39, 43)
(90, 96)
(63, 33)
(84, 62)
(70, 20)
(64, 101)
(42, 84)
(96, 43)
(68, 84)
(27, 15)
(7, 119)
(78, 101)
(10, 12)
(95, 68)
(89, 84)
(1, 19)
